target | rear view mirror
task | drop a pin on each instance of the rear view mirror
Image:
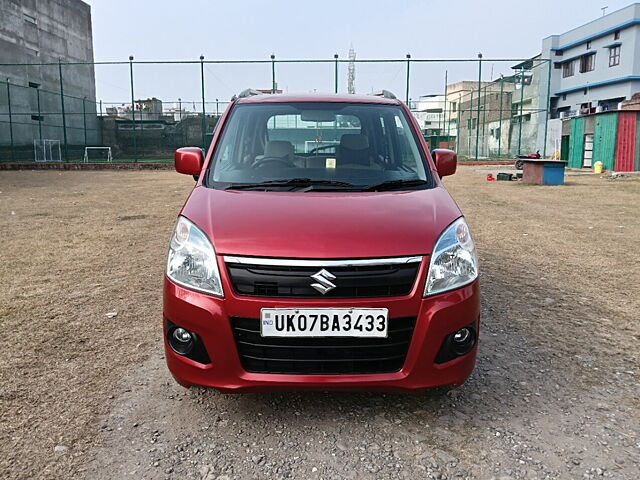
(446, 161)
(189, 160)
(317, 116)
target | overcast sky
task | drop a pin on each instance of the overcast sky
(296, 29)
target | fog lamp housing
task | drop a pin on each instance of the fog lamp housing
(457, 344)
(185, 343)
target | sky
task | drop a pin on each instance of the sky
(156, 30)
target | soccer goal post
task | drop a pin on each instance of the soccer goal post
(47, 150)
(97, 153)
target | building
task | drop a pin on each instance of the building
(37, 33)
(429, 112)
(595, 66)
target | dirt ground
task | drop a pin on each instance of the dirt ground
(556, 392)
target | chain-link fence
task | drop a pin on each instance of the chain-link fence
(143, 111)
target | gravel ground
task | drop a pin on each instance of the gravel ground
(556, 391)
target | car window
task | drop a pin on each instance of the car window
(358, 144)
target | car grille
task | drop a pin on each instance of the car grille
(318, 356)
(360, 279)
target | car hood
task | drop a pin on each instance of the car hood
(322, 224)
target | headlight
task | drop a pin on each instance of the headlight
(192, 259)
(453, 262)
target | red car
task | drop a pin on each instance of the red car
(320, 250)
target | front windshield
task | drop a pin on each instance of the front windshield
(324, 145)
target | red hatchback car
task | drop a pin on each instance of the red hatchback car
(320, 250)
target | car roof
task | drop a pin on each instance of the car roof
(318, 97)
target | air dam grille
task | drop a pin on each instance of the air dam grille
(322, 356)
(360, 279)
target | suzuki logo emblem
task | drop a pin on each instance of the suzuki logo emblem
(324, 283)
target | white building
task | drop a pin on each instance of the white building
(596, 65)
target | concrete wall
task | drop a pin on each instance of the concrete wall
(36, 32)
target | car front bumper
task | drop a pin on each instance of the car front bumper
(209, 317)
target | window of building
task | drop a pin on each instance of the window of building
(588, 44)
(567, 69)
(614, 56)
(559, 53)
(564, 96)
(585, 91)
(30, 18)
(557, 66)
(454, 106)
(616, 35)
(587, 63)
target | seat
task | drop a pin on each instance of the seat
(279, 149)
(354, 151)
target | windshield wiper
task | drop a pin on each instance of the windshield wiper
(393, 184)
(292, 182)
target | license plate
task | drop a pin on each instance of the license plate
(324, 322)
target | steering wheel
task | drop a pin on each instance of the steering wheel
(261, 162)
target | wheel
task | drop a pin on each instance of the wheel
(519, 164)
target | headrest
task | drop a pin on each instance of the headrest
(354, 141)
(278, 148)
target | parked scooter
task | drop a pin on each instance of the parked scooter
(520, 163)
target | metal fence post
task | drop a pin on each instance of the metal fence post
(273, 74)
(335, 82)
(478, 115)
(444, 121)
(217, 108)
(521, 105)
(407, 92)
(204, 120)
(10, 118)
(547, 113)
(133, 111)
(39, 113)
(485, 143)
(470, 124)
(84, 118)
(64, 115)
(500, 119)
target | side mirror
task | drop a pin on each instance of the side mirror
(446, 161)
(189, 160)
